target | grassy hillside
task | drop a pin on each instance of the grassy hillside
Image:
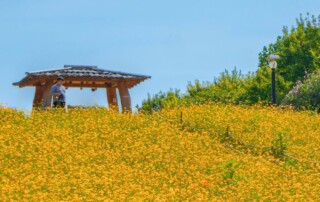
(215, 152)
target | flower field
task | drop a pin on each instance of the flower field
(199, 153)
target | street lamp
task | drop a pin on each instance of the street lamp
(273, 64)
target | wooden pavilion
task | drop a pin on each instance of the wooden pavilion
(79, 76)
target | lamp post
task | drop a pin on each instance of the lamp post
(273, 64)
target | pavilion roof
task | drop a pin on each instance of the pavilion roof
(81, 76)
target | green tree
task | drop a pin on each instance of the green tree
(299, 49)
(258, 87)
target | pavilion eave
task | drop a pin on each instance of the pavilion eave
(82, 82)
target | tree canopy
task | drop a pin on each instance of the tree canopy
(298, 47)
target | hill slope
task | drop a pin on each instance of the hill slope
(216, 152)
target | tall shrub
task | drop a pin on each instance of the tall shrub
(305, 94)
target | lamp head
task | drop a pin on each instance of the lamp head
(272, 57)
(272, 60)
(273, 64)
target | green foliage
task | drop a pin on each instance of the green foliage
(306, 94)
(299, 49)
(227, 88)
(162, 100)
(229, 169)
(258, 87)
(279, 146)
(237, 88)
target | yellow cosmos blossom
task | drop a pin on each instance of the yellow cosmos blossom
(216, 153)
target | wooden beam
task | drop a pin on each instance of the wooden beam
(47, 97)
(78, 85)
(112, 97)
(91, 79)
(124, 96)
(38, 96)
(36, 80)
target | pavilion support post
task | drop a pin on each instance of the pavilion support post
(112, 97)
(124, 96)
(38, 96)
(47, 97)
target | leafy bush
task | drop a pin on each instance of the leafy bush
(306, 94)
(227, 88)
(230, 87)
(258, 87)
(162, 100)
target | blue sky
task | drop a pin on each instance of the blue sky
(172, 41)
